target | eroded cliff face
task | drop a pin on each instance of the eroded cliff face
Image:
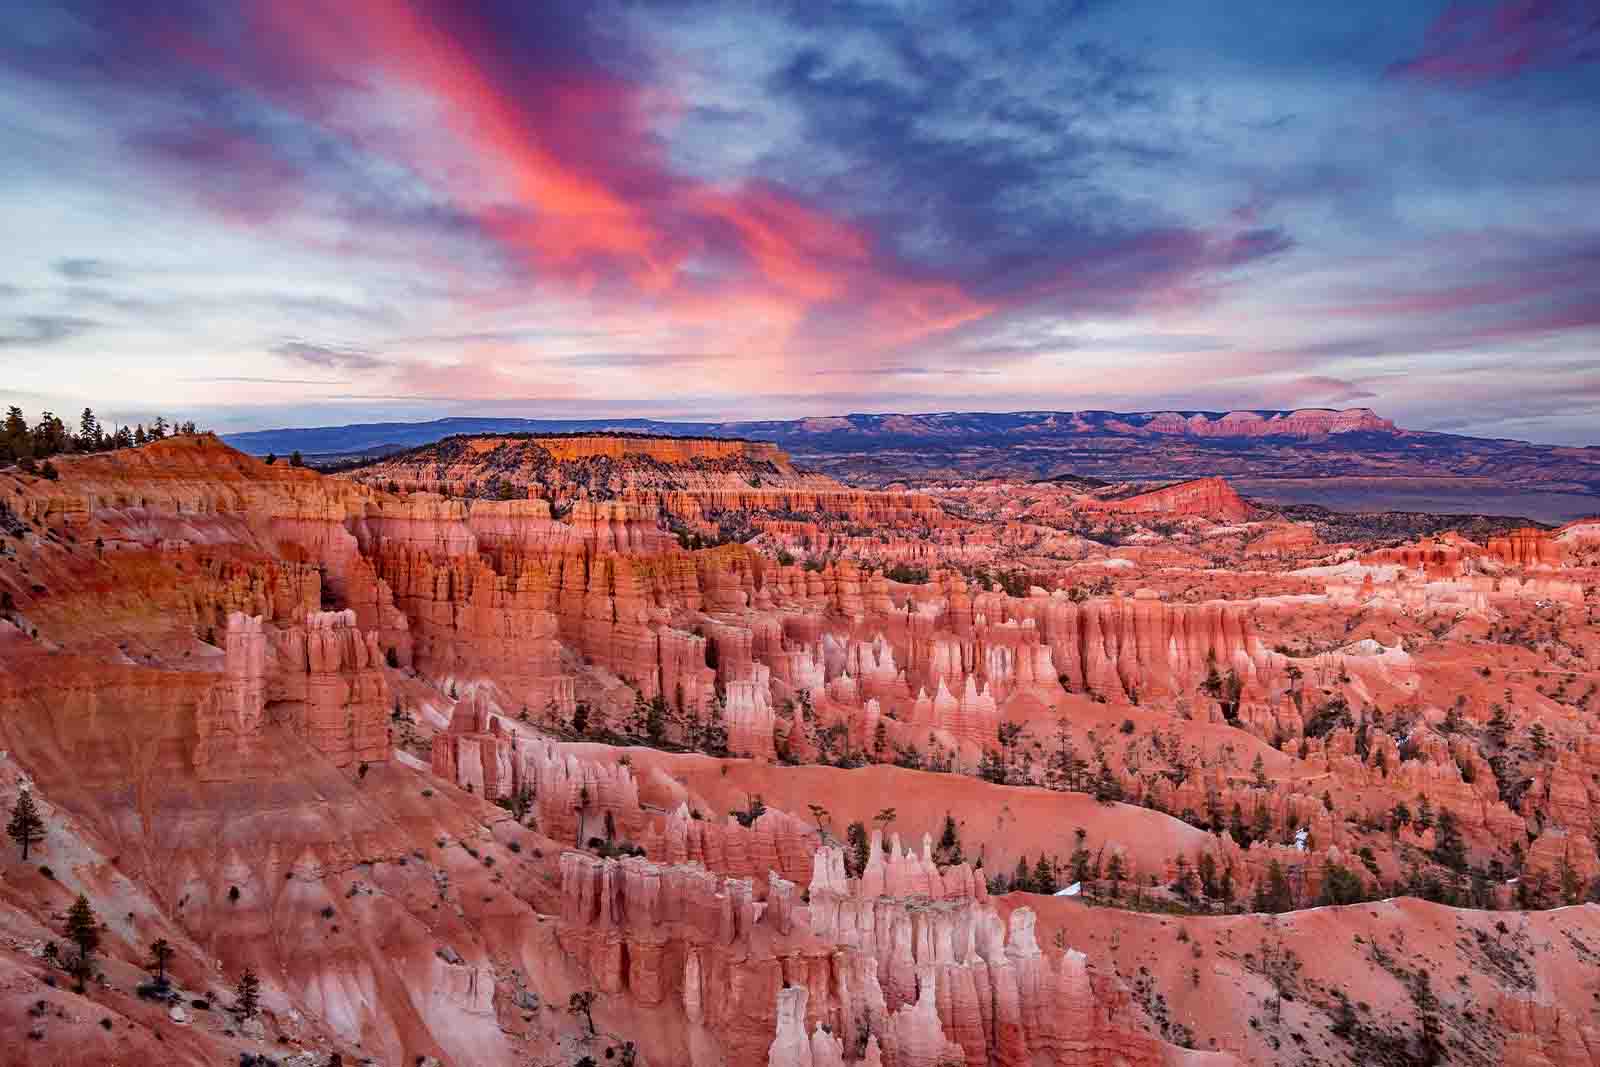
(855, 974)
(399, 751)
(1210, 498)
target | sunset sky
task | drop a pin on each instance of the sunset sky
(293, 213)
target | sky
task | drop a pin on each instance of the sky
(283, 212)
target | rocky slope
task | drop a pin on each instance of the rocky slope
(784, 772)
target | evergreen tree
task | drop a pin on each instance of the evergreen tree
(83, 930)
(948, 852)
(582, 1004)
(14, 437)
(1499, 726)
(1424, 812)
(1272, 892)
(1115, 873)
(1236, 826)
(1080, 856)
(1107, 790)
(247, 994)
(49, 436)
(1044, 876)
(1183, 882)
(1449, 848)
(1262, 828)
(26, 828)
(161, 954)
(1340, 885)
(90, 436)
(1022, 881)
(655, 720)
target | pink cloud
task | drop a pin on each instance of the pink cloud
(1471, 44)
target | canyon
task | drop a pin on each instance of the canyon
(1351, 459)
(567, 747)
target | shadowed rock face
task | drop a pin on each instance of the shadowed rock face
(398, 753)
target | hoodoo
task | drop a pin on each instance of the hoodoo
(464, 748)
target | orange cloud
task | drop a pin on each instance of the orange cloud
(570, 180)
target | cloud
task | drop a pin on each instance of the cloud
(268, 381)
(83, 270)
(599, 360)
(1007, 204)
(327, 357)
(35, 331)
(1473, 43)
(1319, 389)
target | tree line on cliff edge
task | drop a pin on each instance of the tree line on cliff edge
(26, 444)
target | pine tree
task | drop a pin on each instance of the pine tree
(1449, 848)
(1022, 881)
(583, 1004)
(90, 436)
(18, 443)
(83, 930)
(161, 954)
(1236, 826)
(1115, 873)
(26, 828)
(247, 995)
(1274, 895)
(948, 852)
(1080, 856)
(1044, 876)
(1424, 812)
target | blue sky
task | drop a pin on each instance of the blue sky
(289, 213)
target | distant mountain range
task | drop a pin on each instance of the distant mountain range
(834, 432)
(1311, 445)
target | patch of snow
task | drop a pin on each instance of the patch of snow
(1071, 891)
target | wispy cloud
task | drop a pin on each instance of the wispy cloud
(327, 357)
(83, 270)
(1472, 43)
(38, 331)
